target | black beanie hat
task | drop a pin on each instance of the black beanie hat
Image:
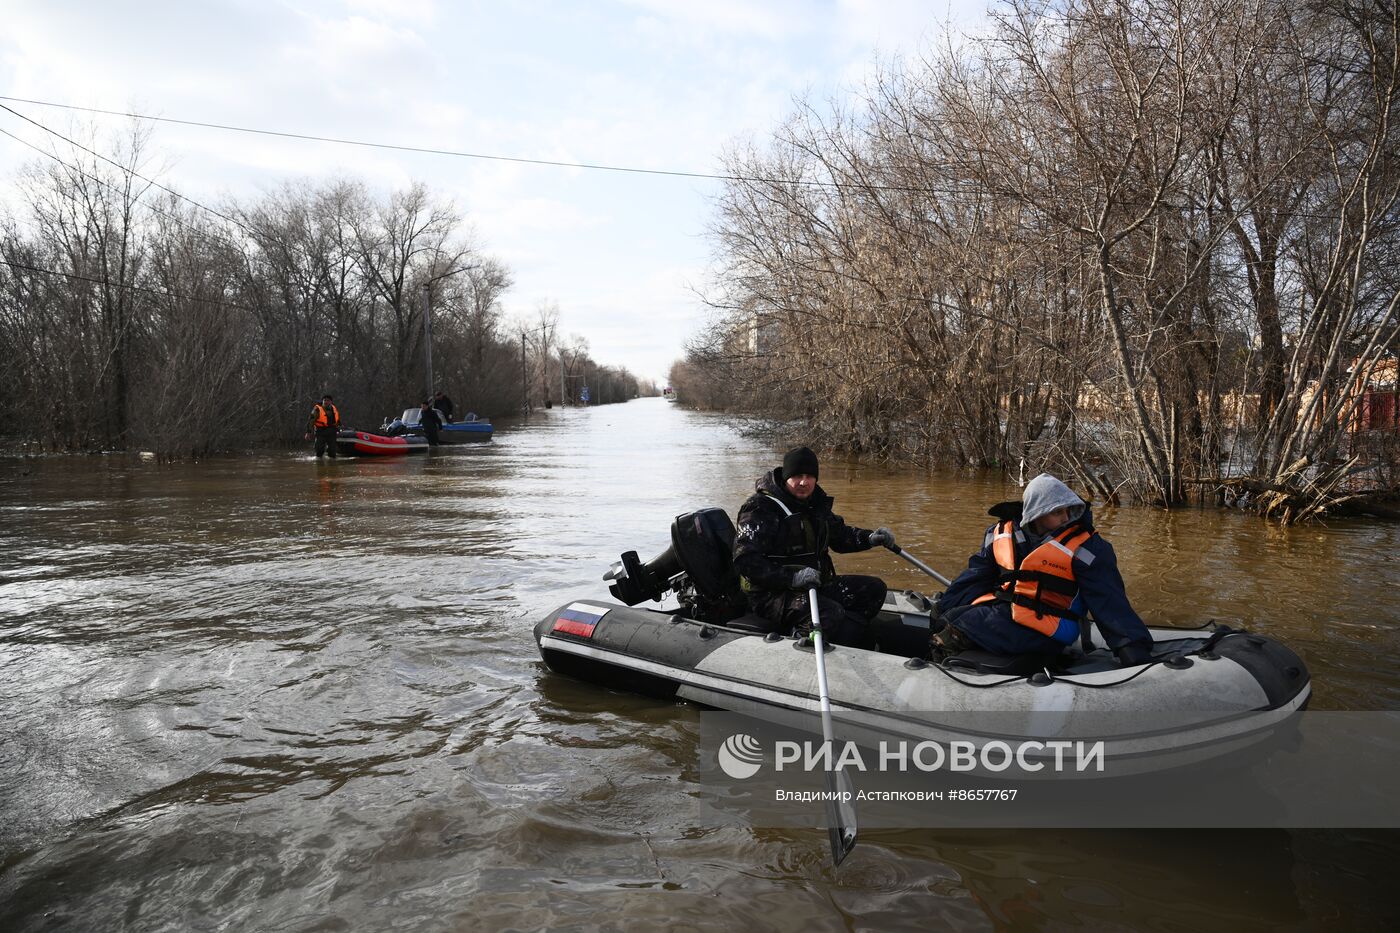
(799, 460)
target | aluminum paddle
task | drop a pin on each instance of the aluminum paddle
(840, 811)
(920, 564)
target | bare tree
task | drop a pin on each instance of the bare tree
(1083, 242)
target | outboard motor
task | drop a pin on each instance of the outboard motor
(634, 582)
(698, 566)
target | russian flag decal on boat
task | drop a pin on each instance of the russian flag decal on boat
(579, 619)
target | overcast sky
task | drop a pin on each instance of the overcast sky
(657, 84)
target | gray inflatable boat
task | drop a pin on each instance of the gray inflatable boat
(1204, 691)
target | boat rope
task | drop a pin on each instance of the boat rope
(1115, 683)
(1215, 639)
(967, 683)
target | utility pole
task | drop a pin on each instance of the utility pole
(563, 387)
(428, 341)
(524, 376)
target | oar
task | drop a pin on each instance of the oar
(920, 564)
(840, 812)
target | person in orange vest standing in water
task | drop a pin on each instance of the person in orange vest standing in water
(1041, 571)
(324, 423)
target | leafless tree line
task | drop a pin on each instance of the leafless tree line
(134, 319)
(1150, 243)
(559, 369)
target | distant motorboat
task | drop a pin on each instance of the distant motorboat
(410, 424)
(461, 432)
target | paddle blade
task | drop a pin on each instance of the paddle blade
(840, 815)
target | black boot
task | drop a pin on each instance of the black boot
(946, 641)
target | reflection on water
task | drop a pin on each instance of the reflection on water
(276, 693)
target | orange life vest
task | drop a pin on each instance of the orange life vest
(1040, 586)
(322, 420)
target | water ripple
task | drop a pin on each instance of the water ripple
(268, 693)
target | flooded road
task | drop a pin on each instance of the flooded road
(269, 693)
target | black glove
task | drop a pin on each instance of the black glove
(1138, 652)
(882, 537)
(805, 579)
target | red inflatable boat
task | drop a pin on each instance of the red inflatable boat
(364, 444)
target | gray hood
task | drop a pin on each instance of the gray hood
(1045, 494)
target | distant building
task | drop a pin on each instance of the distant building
(1377, 398)
(1378, 409)
(763, 334)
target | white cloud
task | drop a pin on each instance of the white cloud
(440, 116)
(887, 26)
(773, 19)
(518, 219)
(419, 11)
(358, 56)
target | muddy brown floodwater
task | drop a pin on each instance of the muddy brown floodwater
(267, 693)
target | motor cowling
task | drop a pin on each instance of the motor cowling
(699, 566)
(632, 581)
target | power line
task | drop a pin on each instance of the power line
(970, 188)
(131, 172)
(460, 154)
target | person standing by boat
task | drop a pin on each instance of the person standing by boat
(444, 405)
(429, 422)
(1042, 568)
(785, 530)
(324, 423)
